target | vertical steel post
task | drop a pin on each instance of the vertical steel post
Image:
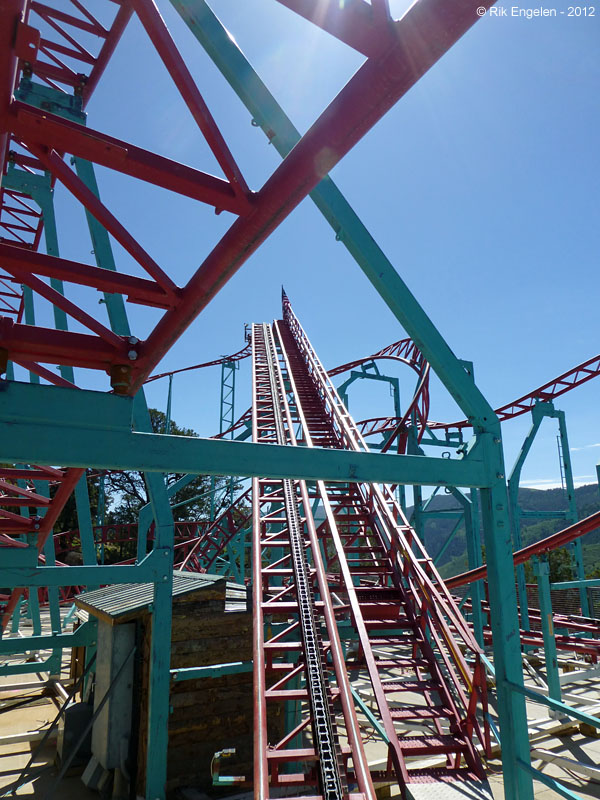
(474, 560)
(572, 515)
(505, 627)
(160, 649)
(515, 509)
(541, 570)
(169, 400)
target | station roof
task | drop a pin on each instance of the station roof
(118, 603)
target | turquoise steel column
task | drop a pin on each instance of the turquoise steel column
(417, 521)
(53, 664)
(474, 560)
(160, 653)
(515, 510)
(169, 401)
(572, 515)
(541, 569)
(101, 516)
(29, 316)
(505, 630)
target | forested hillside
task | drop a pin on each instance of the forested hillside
(454, 560)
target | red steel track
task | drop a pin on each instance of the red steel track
(564, 383)
(409, 631)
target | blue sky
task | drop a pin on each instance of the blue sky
(481, 186)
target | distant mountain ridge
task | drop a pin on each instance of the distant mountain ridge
(454, 559)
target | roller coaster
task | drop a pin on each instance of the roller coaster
(343, 590)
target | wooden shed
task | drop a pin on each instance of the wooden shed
(211, 626)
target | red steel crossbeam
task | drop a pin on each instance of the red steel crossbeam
(50, 131)
(26, 342)
(156, 29)
(24, 264)
(357, 24)
(406, 50)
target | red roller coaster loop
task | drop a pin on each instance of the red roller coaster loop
(564, 383)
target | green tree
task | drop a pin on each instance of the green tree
(126, 492)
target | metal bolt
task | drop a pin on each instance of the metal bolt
(500, 475)
(133, 340)
(496, 440)
(132, 355)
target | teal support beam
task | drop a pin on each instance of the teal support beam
(589, 583)
(101, 515)
(515, 511)
(150, 570)
(539, 412)
(145, 515)
(84, 519)
(169, 401)
(541, 570)
(449, 539)
(33, 610)
(505, 632)
(373, 721)
(84, 635)
(226, 420)
(556, 705)
(549, 781)
(417, 519)
(30, 668)
(572, 515)
(50, 424)
(474, 559)
(28, 305)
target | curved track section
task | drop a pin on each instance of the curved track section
(239, 356)
(577, 376)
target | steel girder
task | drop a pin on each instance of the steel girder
(399, 54)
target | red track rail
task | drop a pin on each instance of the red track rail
(284, 587)
(564, 383)
(372, 544)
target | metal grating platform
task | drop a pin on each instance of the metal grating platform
(455, 790)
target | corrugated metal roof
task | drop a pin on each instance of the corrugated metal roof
(118, 601)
